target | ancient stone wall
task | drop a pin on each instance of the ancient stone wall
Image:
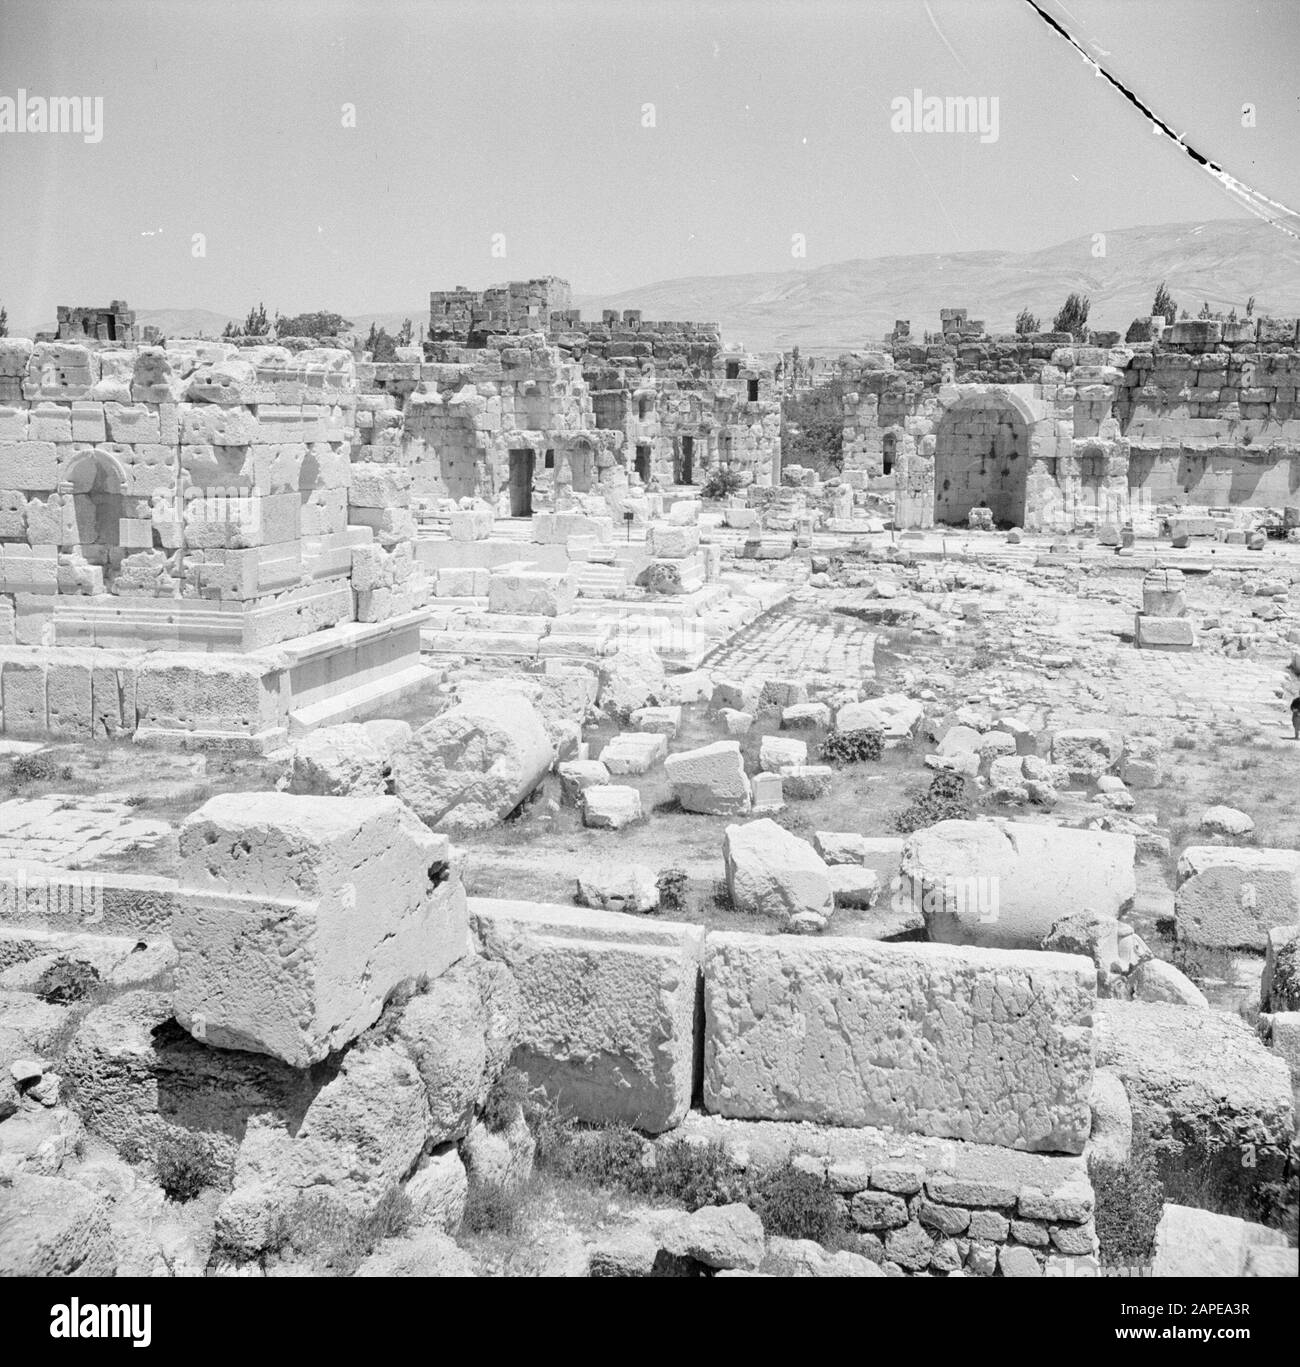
(1203, 415)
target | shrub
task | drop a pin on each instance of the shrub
(796, 1205)
(672, 891)
(552, 1130)
(185, 1165)
(1073, 317)
(946, 800)
(491, 1208)
(1184, 743)
(695, 1175)
(812, 428)
(722, 482)
(504, 1100)
(335, 1240)
(608, 1156)
(853, 747)
(1129, 1201)
(38, 768)
(1026, 323)
(1286, 975)
(66, 981)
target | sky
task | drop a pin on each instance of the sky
(496, 139)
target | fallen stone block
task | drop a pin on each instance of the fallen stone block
(609, 1013)
(1205, 1092)
(1007, 883)
(711, 779)
(1200, 1243)
(634, 752)
(1233, 897)
(302, 914)
(623, 887)
(773, 873)
(351, 760)
(896, 715)
(610, 806)
(777, 753)
(664, 721)
(1086, 753)
(993, 1046)
(577, 775)
(473, 764)
(54, 1228)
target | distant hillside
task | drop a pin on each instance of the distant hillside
(852, 302)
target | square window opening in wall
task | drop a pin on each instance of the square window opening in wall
(549, 462)
(753, 391)
(733, 370)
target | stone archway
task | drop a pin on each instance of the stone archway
(982, 456)
(96, 485)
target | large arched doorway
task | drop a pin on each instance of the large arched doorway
(981, 456)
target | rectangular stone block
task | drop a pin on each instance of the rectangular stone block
(22, 690)
(29, 465)
(993, 1046)
(1231, 897)
(67, 693)
(609, 1006)
(300, 915)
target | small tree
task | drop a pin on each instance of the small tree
(1164, 305)
(4, 321)
(317, 325)
(404, 334)
(1250, 306)
(1205, 310)
(1073, 317)
(380, 345)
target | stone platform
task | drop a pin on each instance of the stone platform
(251, 700)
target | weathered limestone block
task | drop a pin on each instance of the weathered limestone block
(577, 775)
(610, 806)
(630, 679)
(664, 720)
(618, 887)
(363, 1131)
(992, 1046)
(710, 779)
(609, 1006)
(1200, 1243)
(350, 760)
(531, 593)
(302, 914)
(1007, 883)
(1232, 897)
(665, 541)
(54, 1228)
(634, 752)
(895, 714)
(460, 1033)
(475, 763)
(1086, 753)
(778, 753)
(773, 873)
(1204, 1089)
(134, 1075)
(1164, 633)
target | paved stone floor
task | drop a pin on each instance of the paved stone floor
(800, 640)
(73, 831)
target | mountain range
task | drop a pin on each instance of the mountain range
(853, 303)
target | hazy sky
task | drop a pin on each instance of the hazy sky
(772, 117)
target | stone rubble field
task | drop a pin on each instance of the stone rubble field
(925, 925)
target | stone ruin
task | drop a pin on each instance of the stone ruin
(253, 549)
(1045, 431)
